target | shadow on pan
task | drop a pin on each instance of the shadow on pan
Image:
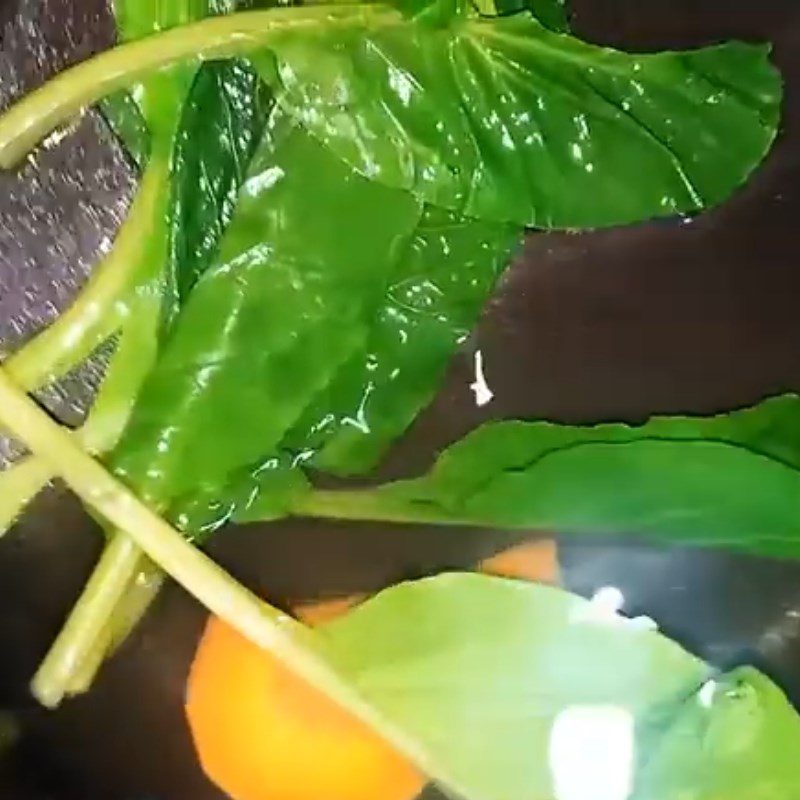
(668, 317)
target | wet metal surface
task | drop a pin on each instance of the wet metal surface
(668, 317)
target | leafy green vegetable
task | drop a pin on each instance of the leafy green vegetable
(731, 480)
(500, 681)
(314, 317)
(139, 18)
(435, 294)
(123, 115)
(265, 329)
(493, 716)
(439, 283)
(221, 124)
(503, 119)
(737, 741)
(267, 492)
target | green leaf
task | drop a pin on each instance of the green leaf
(139, 18)
(727, 481)
(551, 13)
(503, 684)
(736, 740)
(436, 292)
(221, 124)
(124, 117)
(265, 493)
(305, 258)
(502, 119)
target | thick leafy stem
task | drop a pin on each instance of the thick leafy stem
(286, 639)
(150, 119)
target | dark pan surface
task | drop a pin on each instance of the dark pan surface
(686, 316)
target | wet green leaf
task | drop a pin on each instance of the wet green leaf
(221, 124)
(124, 117)
(303, 262)
(728, 481)
(138, 18)
(737, 739)
(264, 493)
(503, 119)
(435, 294)
(523, 691)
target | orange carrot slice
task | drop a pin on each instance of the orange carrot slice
(263, 734)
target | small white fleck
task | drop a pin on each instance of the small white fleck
(57, 136)
(483, 394)
(402, 85)
(605, 608)
(263, 181)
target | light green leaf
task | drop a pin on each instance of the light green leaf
(503, 683)
(737, 739)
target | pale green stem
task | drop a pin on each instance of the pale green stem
(134, 356)
(71, 658)
(371, 505)
(143, 590)
(29, 121)
(287, 640)
(81, 640)
(83, 675)
(80, 633)
(364, 504)
(78, 651)
(74, 658)
(138, 594)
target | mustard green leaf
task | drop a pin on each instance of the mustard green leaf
(522, 691)
(503, 119)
